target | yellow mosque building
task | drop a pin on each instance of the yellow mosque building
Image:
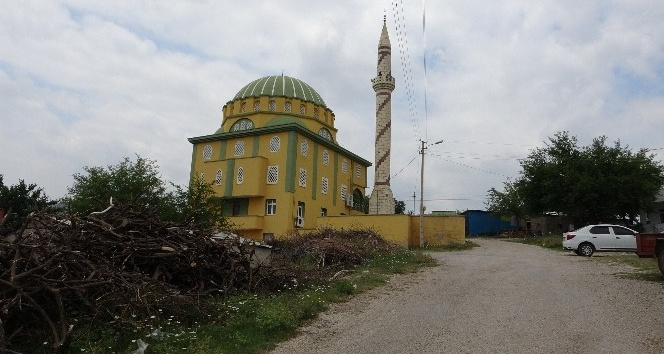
(276, 161)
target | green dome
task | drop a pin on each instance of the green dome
(281, 86)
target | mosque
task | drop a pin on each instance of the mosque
(276, 161)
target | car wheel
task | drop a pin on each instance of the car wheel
(586, 249)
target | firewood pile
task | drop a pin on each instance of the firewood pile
(112, 265)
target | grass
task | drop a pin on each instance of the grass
(247, 323)
(644, 268)
(554, 242)
(452, 246)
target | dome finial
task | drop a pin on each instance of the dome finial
(384, 17)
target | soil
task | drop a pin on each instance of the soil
(502, 297)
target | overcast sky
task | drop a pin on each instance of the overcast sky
(86, 83)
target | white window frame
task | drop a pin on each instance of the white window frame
(240, 175)
(326, 157)
(272, 170)
(207, 152)
(275, 144)
(217, 177)
(270, 206)
(324, 185)
(239, 148)
(303, 178)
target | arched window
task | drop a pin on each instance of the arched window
(288, 107)
(243, 107)
(207, 152)
(257, 106)
(275, 143)
(242, 124)
(344, 166)
(303, 109)
(304, 147)
(240, 175)
(239, 148)
(326, 157)
(272, 106)
(325, 134)
(217, 179)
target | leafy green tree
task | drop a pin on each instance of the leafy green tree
(139, 185)
(197, 205)
(399, 206)
(596, 183)
(130, 182)
(506, 202)
(19, 201)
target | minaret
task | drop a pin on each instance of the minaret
(382, 199)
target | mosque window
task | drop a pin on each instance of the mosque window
(239, 148)
(272, 174)
(324, 185)
(325, 134)
(240, 175)
(207, 152)
(288, 107)
(326, 157)
(217, 178)
(257, 106)
(272, 106)
(303, 109)
(242, 124)
(274, 144)
(243, 107)
(344, 192)
(315, 112)
(304, 147)
(344, 166)
(270, 206)
(358, 171)
(303, 177)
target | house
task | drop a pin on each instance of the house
(276, 161)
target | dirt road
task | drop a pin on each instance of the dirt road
(502, 297)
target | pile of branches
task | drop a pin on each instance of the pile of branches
(111, 265)
(328, 251)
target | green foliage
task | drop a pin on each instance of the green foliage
(452, 246)
(399, 206)
(552, 242)
(595, 183)
(139, 184)
(130, 182)
(19, 201)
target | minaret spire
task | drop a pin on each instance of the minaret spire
(382, 199)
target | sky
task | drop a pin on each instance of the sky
(87, 83)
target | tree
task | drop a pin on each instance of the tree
(399, 206)
(19, 201)
(130, 182)
(139, 185)
(590, 184)
(507, 202)
(197, 205)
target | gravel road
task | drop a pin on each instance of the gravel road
(502, 297)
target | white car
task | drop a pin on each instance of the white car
(586, 240)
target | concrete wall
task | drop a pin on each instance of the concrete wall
(403, 230)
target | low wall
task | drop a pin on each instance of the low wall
(401, 229)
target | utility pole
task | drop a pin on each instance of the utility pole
(422, 151)
(414, 205)
(422, 195)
